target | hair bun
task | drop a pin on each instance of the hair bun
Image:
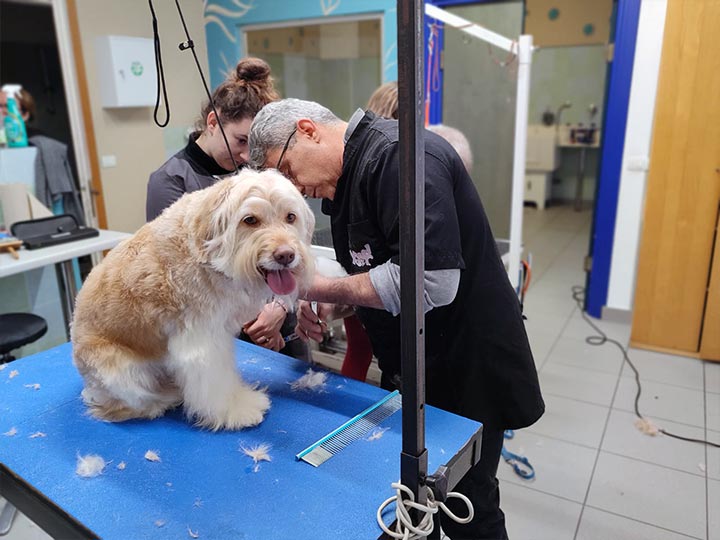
(252, 70)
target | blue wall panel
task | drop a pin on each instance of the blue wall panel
(613, 143)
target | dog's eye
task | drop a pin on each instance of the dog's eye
(291, 218)
(250, 220)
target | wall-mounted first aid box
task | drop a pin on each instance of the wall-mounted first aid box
(126, 70)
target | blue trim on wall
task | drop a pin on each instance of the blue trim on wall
(613, 144)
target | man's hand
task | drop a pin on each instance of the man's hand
(312, 325)
(265, 330)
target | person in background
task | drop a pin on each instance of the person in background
(28, 109)
(458, 141)
(205, 159)
(478, 358)
(384, 100)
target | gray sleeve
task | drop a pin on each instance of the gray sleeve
(163, 190)
(441, 286)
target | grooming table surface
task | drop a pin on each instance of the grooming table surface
(204, 483)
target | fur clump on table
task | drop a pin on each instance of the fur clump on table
(312, 380)
(90, 465)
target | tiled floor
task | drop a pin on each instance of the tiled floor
(597, 477)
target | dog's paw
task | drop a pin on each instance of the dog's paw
(247, 408)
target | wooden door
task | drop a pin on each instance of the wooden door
(683, 189)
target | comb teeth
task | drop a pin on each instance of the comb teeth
(351, 431)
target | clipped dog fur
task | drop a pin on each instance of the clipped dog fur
(154, 322)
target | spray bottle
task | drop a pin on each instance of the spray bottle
(14, 123)
(3, 138)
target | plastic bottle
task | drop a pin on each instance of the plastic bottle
(14, 123)
(3, 138)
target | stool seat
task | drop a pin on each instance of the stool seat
(18, 329)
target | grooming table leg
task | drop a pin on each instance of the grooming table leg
(7, 515)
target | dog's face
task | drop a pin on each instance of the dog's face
(257, 227)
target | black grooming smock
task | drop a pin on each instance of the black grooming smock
(478, 359)
(188, 170)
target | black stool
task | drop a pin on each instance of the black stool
(18, 329)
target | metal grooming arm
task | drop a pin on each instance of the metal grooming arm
(413, 458)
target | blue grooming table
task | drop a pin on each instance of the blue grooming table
(204, 483)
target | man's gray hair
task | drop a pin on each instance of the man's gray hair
(458, 141)
(275, 121)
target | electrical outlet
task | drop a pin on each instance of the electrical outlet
(638, 163)
(109, 161)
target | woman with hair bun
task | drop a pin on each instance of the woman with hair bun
(205, 160)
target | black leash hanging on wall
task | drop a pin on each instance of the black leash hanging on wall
(185, 45)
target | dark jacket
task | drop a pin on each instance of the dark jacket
(54, 179)
(188, 170)
(478, 359)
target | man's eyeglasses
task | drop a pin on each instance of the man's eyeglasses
(287, 143)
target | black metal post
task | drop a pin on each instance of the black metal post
(413, 460)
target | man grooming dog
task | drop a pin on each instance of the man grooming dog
(154, 322)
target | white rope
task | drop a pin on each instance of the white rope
(404, 528)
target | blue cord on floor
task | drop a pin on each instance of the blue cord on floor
(520, 464)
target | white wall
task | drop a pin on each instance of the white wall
(129, 134)
(638, 136)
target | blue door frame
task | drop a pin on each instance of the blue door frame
(613, 144)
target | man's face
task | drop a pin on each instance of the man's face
(312, 160)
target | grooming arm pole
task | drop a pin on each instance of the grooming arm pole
(413, 459)
(524, 52)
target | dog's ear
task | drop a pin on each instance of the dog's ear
(212, 218)
(309, 221)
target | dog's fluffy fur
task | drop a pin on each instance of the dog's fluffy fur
(154, 322)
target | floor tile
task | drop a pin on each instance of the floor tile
(622, 437)
(666, 368)
(582, 384)
(545, 325)
(572, 351)
(571, 420)
(713, 455)
(714, 509)
(531, 515)
(660, 401)
(539, 302)
(578, 327)
(541, 347)
(561, 468)
(598, 525)
(712, 411)
(712, 376)
(667, 498)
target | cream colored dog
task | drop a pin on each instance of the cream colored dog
(154, 322)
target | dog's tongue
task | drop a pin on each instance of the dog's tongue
(281, 281)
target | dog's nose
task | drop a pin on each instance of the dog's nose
(284, 255)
